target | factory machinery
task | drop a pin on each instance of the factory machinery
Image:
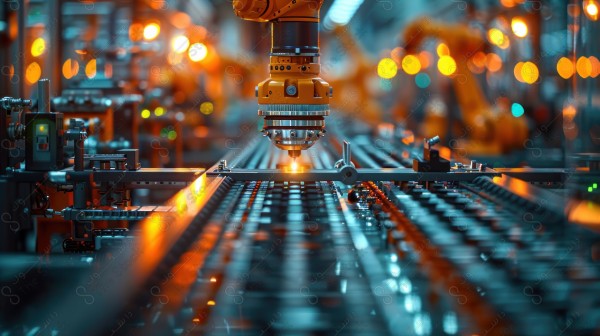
(359, 233)
(357, 239)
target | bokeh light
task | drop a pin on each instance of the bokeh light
(151, 31)
(519, 27)
(38, 47)
(496, 37)
(425, 58)
(159, 111)
(136, 32)
(145, 113)
(206, 108)
(33, 72)
(595, 66)
(387, 68)
(591, 9)
(584, 67)
(493, 62)
(517, 110)
(70, 68)
(446, 65)
(411, 64)
(422, 80)
(197, 52)
(565, 68)
(517, 71)
(443, 50)
(180, 44)
(530, 73)
(90, 69)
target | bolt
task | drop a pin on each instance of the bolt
(291, 90)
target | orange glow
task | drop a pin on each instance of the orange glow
(519, 27)
(396, 54)
(479, 59)
(180, 20)
(11, 71)
(517, 72)
(584, 67)
(443, 50)
(425, 58)
(294, 166)
(174, 58)
(151, 31)
(199, 187)
(201, 131)
(90, 69)
(197, 33)
(446, 153)
(585, 212)
(195, 319)
(33, 72)
(591, 9)
(530, 73)
(211, 303)
(213, 279)
(157, 4)
(108, 70)
(70, 68)
(493, 62)
(505, 44)
(569, 112)
(136, 32)
(595, 66)
(508, 3)
(477, 63)
(565, 68)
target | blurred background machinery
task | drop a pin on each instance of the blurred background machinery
(455, 191)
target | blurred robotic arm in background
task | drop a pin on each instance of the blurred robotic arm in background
(488, 130)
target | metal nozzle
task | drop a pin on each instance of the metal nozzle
(294, 127)
(294, 153)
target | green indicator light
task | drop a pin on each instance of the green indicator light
(590, 189)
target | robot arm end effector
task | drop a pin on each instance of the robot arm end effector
(294, 100)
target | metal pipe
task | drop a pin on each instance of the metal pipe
(44, 95)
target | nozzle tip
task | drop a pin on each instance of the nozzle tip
(294, 153)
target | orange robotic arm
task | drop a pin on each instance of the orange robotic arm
(294, 100)
(489, 131)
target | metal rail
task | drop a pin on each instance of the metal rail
(349, 175)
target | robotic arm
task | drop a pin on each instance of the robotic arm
(294, 100)
(490, 131)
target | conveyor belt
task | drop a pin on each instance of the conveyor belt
(323, 258)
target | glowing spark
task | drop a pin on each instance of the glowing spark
(294, 166)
